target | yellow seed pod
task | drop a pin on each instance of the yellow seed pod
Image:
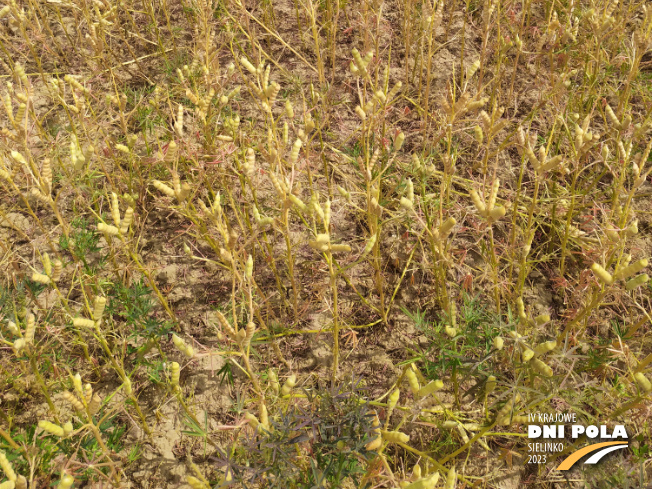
(340, 248)
(601, 274)
(370, 245)
(174, 374)
(446, 227)
(30, 329)
(426, 483)
(115, 209)
(542, 319)
(127, 220)
(294, 154)
(289, 110)
(249, 331)
(394, 91)
(40, 278)
(196, 483)
(251, 419)
(327, 215)
(392, 401)
(395, 437)
(416, 472)
(637, 281)
(161, 187)
(643, 382)
(407, 204)
(527, 354)
(374, 434)
(344, 193)
(273, 381)
(541, 367)
(632, 229)
(431, 388)
(18, 345)
(478, 134)
(88, 392)
(225, 324)
(47, 264)
(57, 269)
(98, 307)
(21, 483)
(398, 142)
(73, 401)
(66, 482)
(20, 114)
(289, 385)
(451, 478)
(83, 323)
(360, 113)
(479, 204)
(412, 381)
(450, 331)
(6, 467)
(545, 347)
(127, 386)
(95, 404)
(108, 229)
(611, 117)
(51, 428)
(77, 383)
(497, 212)
(498, 343)
(628, 271)
(264, 418)
(297, 202)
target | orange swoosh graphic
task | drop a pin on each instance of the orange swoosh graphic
(574, 457)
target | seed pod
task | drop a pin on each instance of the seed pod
(40, 278)
(478, 134)
(370, 245)
(398, 142)
(497, 212)
(174, 374)
(446, 227)
(66, 482)
(498, 343)
(47, 264)
(407, 204)
(542, 319)
(611, 117)
(46, 175)
(127, 386)
(73, 401)
(264, 418)
(360, 113)
(393, 400)
(289, 385)
(628, 271)
(601, 274)
(541, 367)
(83, 323)
(161, 187)
(170, 156)
(115, 209)
(412, 381)
(479, 204)
(249, 332)
(643, 382)
(294, 154)
(344, 193)
(289, 110)
(374, 434)
(98, 307)
(195, 483)
(21, 483)
(451, 478)
(340, 248)
(551, 164)
(395, 437)
(527, 354)
(51, 428)
(426, 483)
(30, 329)
(6, 467)
(127, 220)
(108, 229)
(297, 202)
(545, 347)
(57, 269)
(637, 281)
(178, 126)
(88, 392)
(94, 404)
(225, 324)
(431, 388)
(273, 381)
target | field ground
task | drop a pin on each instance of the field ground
(321, 244)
